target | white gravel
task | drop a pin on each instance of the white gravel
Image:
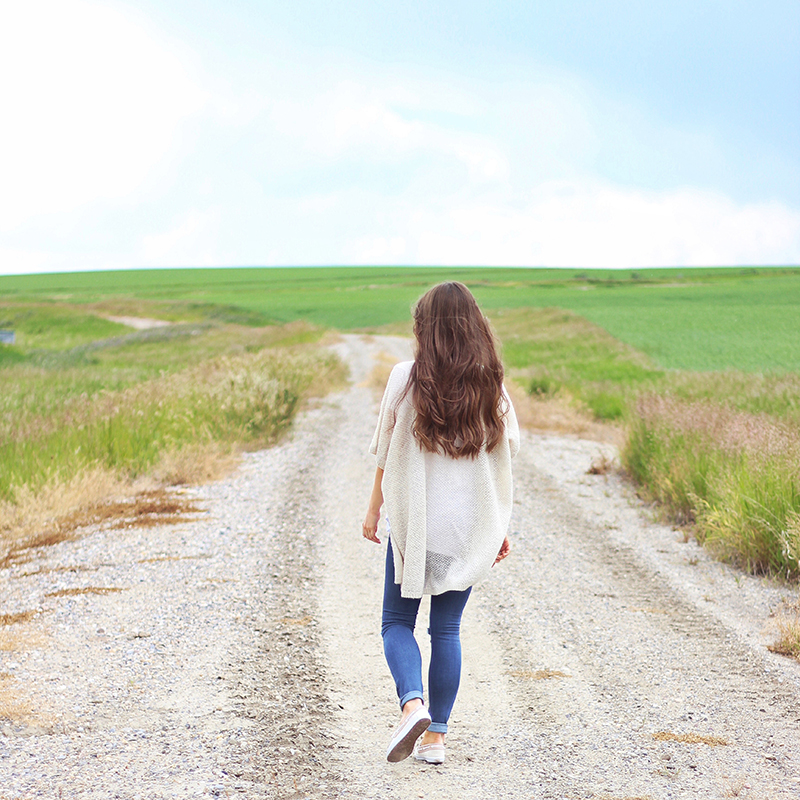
(242, 657)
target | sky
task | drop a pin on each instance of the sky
(177, 133)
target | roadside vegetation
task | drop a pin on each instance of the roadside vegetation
(85, 419)
(720, 451)
(734, 475)
(695, 373)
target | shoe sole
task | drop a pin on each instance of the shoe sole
(405, 746)
(429, 760)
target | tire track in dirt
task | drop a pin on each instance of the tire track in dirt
(282, 687)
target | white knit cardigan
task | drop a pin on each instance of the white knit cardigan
(447, 516)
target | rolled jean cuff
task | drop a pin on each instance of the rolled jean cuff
(413, 694)
(438, 727)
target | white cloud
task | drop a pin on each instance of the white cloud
(92, 101)
(379, 250)
(24, 260)
(377, 123)
(609, 226)
(191, 241)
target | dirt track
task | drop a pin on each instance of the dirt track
(243, 658)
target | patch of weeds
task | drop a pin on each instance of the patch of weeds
(689, 738)
(236, 400)
(788, 641)
(101, 590)
(146, 509)
(12, 707)
(731, 473)
(601, 465)
(607, 406)
(159, 559)
(538, 675)
(14, 619)
(543, 386)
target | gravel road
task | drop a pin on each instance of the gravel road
(239, 655)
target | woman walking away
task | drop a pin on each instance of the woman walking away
(444, 443)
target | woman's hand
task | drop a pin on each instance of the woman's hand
(504, 550)
(370, 526)
(369, 530)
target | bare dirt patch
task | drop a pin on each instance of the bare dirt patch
(140, 323)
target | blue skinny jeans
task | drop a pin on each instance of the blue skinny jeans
(402, 651)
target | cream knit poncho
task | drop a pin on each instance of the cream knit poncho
(447, 516)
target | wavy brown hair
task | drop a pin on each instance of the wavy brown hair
(456, 382)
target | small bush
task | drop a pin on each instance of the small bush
(606, 406)
(788, 642)
(542, 386)
(10, 355)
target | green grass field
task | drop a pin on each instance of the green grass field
(700, 319)
(719, 347)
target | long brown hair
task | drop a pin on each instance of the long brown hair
(456, 382)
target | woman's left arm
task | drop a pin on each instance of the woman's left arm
(370, 527)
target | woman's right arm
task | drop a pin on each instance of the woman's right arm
(370, 526)
(505, 549)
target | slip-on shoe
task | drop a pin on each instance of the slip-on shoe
(407, 734)
(432, 753)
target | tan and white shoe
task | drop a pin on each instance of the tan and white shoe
(409, 731)
(429, 753)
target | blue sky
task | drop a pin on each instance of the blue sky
(178, 133)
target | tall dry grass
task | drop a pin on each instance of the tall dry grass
(735, 474)
(178, 428)
(248, 399)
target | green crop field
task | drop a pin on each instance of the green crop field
(700, 319)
